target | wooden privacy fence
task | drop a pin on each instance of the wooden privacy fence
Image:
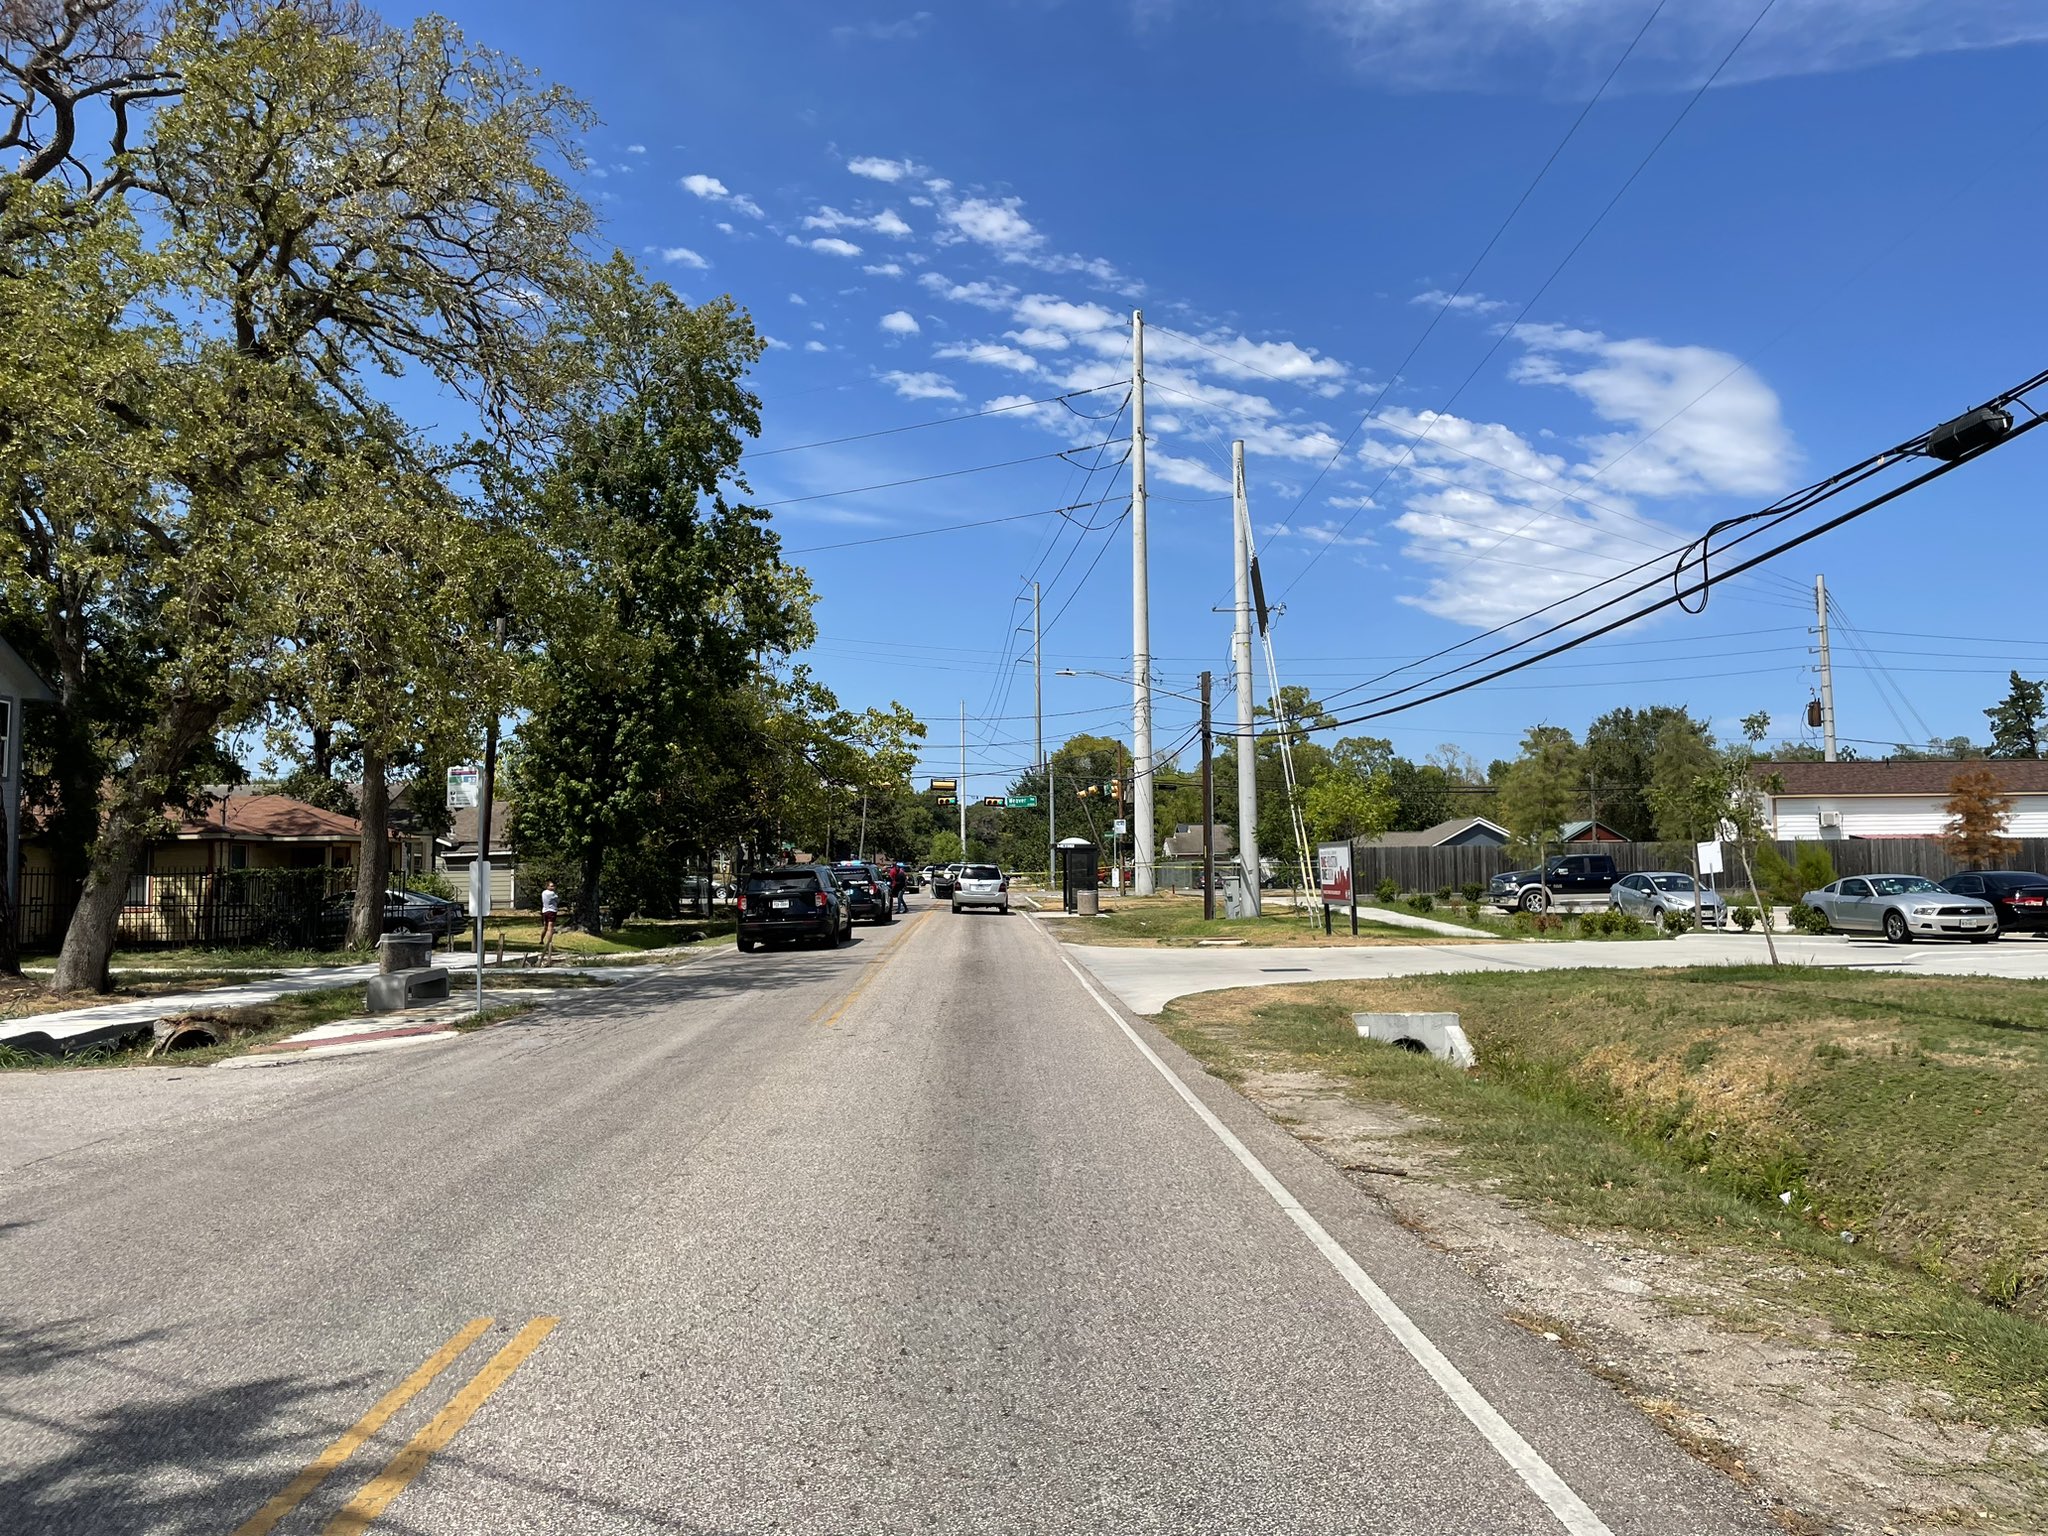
(1431, 869)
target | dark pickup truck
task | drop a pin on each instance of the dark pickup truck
(1570, 874)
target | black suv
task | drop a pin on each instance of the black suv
(793, 904)
(867, 891)
(1570, 874)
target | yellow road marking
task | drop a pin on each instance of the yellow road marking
(319, 1468)
(377, 1494)
(875, 969)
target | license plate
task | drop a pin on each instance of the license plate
(782, 903)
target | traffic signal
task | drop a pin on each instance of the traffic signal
(948, 799)
(995, 800)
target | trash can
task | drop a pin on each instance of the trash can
(404, 952)
(1087, 903)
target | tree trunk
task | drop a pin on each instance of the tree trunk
(373, 861)
(131, 819)
(586, 904)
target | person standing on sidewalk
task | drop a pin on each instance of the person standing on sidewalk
(896, 884)
(550, 914)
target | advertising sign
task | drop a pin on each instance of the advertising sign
(465, 787)
(1333, 873)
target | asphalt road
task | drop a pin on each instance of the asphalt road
(914, 1236)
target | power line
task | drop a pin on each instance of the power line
(945, 421)
(944, 474)
(1576, 246)
(925, 533)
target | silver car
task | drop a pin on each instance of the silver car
(1655, 894)
(982, 885)
(1903, 908)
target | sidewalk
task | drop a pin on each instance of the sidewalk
(76, 1029)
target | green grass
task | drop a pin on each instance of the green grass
(1483, 919)
(522, 935)
(1687, 1105)
(266, 1023)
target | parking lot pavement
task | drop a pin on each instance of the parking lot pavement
(1148, 979)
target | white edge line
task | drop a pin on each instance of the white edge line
(1542, 1479)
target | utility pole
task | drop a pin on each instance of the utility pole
(962, 795)
(1038, 726)
(1827, 672)
(1141, 627)
(1208, 812)
(483, 826)
(1241, 660)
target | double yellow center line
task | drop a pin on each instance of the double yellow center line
(873, 970)
(377, 1494)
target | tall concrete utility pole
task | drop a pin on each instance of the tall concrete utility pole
(1827, 672)
(1141, 627)
(1241, 661)
(1038, 729)
(962, 796)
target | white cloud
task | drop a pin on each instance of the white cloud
(1724, 433)
(921, 386)
(993, 222)
(1239, 357)
(712, 190)
(636, 149)
(1039, 339)
(835, 247)
(990, 355)
(889, 222)
(775, 343)
(884, 269)
(875, 168)
(798, 299)
(724, 228)
(816, 346)
(1191, 473)
(901, 30)
(900, 322)
(1042, 309)
(1567, 45)
(983, 295)
(683, 256)
(1459, 303)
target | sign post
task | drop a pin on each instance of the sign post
(1333, 878)
(480, 908)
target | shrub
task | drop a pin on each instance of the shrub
(1421, 901)
(1444, 893)
(1745, 917)
(1677, 922)
(1473, 892)
(1809, 919)
(430, 882)
(1387, 889)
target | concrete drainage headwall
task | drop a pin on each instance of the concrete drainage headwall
(1440, 1034)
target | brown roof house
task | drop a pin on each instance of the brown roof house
(1837, 801)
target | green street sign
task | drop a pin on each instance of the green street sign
(1022, 802)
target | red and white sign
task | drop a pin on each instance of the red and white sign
(1333, 873)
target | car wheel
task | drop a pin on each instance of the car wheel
(956, 909)
(1534, 900)
(747, 946)
(1895, 929)
(1997, 931)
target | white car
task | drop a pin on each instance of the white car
(982, 885)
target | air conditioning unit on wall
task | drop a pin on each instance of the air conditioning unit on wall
(1831, 819)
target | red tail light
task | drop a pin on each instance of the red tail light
(822, 900)
(741, 903)
(1002, 885)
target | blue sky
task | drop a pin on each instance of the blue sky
(935, 209)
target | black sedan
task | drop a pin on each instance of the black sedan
(2020, 897)
(404, 912)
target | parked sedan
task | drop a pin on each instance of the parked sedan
(1654, 895)
(982, 885)
(1903, 908)
(404, 912)
(2019, 896)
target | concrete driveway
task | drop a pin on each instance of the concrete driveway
(1148, 979)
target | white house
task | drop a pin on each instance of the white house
(1842, 801)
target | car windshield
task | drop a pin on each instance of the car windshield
(2014, 882)
(981, 872)
(1904, 885)
(1671, 882)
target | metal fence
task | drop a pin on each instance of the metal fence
(287, 908)
(1431, 869)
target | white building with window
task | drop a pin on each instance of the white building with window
(1840, 802)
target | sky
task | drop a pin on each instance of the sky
(1462, 399)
